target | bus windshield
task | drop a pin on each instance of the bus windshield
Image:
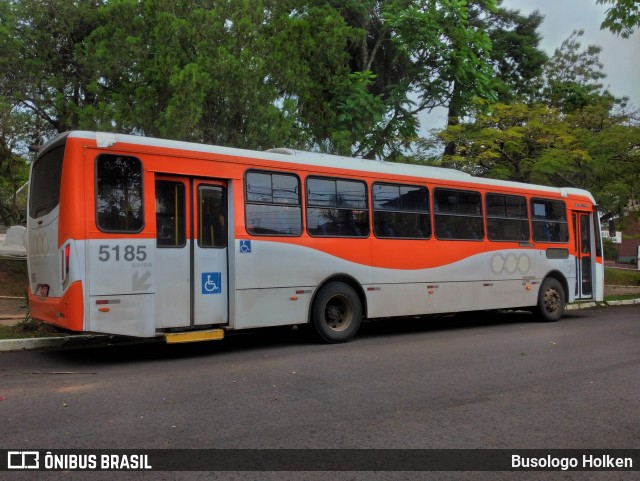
(44, 185)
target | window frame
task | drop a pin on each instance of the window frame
(53, 157)
(97, 191)
(198, 213)
(366, 209)
(525, 219)
(248, 202)
(184, 199)
(480, 216)
(399, 210)
(532, 201)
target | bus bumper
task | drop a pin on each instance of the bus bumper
(66, 312)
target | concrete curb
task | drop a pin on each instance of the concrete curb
(80, 340)
(589, 305)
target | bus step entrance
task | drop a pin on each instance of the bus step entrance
(194, 336)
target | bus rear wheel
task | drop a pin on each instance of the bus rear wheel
(337, 313)
(551, 300)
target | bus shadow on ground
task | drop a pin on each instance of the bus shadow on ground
(119, 350)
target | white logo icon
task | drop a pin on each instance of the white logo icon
(23, 460)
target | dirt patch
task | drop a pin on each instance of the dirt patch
(14, 279)
(621, 291)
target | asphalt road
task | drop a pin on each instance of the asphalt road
(472, 381)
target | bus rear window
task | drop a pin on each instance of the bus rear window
(119, 194)
(44, 185)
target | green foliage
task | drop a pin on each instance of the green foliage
(593, 148)
(609, 249)
(622, 17)
(14, 170)
(516, 57)
(621, 277)
(347, 77)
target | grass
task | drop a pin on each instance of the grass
(621, 277)
(620, 297)
(28, 329)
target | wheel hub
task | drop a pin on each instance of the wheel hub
(552, 300)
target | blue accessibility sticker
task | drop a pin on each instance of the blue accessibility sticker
(245, 246)
(211, 282)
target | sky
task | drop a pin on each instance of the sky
(621, 57)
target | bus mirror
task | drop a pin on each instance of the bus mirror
(612, 228)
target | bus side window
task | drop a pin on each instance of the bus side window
(273, 204)
(119, 194)
(549, 220)
(337, 208)
(458, 214)
(507, 218)
(401, 211)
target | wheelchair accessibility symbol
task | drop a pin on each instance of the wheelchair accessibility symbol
(245, 246)
(211, 283)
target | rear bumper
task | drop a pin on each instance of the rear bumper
(66, 312)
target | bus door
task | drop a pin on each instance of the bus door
(585, 261)
(191, 252)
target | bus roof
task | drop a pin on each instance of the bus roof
(105, 140)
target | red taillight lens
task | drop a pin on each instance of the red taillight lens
(67, 251)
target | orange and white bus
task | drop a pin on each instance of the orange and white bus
(147, 237)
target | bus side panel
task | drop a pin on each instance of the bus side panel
(565, 266)
(272, 272)
(487, 280)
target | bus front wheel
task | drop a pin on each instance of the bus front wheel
(337, 313)
(551, 300)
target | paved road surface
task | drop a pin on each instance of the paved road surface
(498, 381)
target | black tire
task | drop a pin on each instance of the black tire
(337, 313)
(551, 300)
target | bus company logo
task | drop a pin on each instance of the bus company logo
(510, 263)
(23, 460)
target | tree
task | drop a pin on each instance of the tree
(526, 143)
(514, 57)
(424, 54)
(573, 75)
(596, 148)
(14, 170)
(622, 17)
(229, 73)
(53, 79)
